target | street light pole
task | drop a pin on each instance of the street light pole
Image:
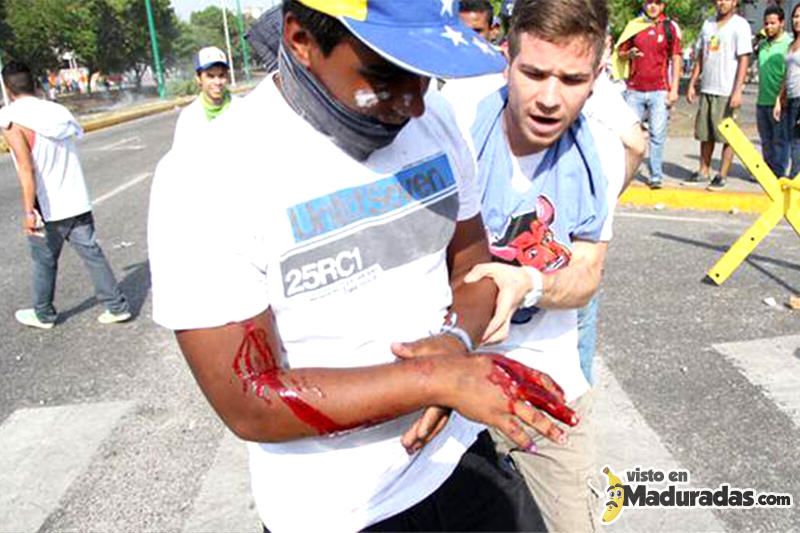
(162, 90)
(2, 83)
(242, 42)
(228, 42)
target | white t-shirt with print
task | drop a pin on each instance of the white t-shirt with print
(549, 341)
(349, 256)
(721, 48)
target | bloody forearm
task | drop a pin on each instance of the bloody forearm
(262, 400)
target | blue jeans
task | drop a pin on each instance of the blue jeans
(652, 104)
(774, 139)
(792, 116)
(79, 231)
(587, 336)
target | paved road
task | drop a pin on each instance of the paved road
(103, 428)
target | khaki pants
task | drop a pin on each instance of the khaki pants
(558, 475)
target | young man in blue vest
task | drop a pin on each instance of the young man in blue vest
(547, 199)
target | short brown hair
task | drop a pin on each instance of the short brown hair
(558, 21)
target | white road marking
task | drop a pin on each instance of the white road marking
(773, 365)
(127, 185)
(43, 451)
(224, 502)
(625, 441)
(120, 143)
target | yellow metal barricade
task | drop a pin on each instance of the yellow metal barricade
(784, 195)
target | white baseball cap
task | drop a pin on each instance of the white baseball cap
(208, 57)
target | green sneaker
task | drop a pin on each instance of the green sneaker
(113, 318)
(28, 317)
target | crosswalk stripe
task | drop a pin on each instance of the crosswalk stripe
(43, 451)
(224, 502)
(624, 441)
(772, 364)
(127, 185)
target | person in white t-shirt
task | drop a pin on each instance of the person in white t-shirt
(550, 179)
(55, 202)
(723, 57)
(212, 76)
(289, 278)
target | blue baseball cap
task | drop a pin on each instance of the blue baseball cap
(425, 37)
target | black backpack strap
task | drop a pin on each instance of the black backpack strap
(670, 36)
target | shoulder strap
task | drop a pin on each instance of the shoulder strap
(670, 36)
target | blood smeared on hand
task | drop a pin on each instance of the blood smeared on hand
(521, 383)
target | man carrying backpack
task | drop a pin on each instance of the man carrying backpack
(650, 48)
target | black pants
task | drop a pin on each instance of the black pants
(484, 493)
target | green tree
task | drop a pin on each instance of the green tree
(104, 35)
(92, 31)
(136, 36)
(30, 33)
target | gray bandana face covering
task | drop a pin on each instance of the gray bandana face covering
(358, 135)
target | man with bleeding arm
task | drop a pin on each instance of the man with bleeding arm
(289, 281)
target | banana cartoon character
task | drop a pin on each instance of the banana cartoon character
(616, 497)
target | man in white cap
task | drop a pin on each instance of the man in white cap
(331, 214)
(213, 76)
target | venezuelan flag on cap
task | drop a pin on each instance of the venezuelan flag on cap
(426, 37)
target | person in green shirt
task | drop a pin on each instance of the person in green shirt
(771, 71)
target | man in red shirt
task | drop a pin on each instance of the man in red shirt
(652, 86)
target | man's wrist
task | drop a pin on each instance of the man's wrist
(537, 287)
(459, 336)
(452, 330)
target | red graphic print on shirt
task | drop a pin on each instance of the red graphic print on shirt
(529, 241)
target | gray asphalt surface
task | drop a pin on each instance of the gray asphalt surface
(659, 322)
(147, 472)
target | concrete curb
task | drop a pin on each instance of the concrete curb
(113, 118)
(140, 112)
(695, 199)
